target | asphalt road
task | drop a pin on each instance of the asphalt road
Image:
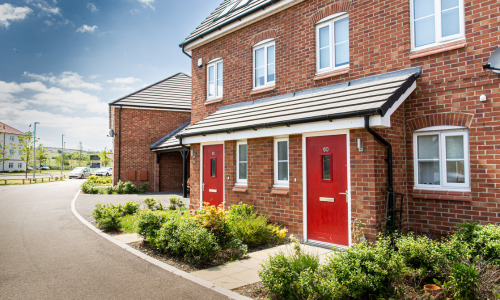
(46, 253)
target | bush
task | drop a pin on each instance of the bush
(175, 203)
(143, 188)
(119, 187)
(241, 210)
(150, 203)
(464, 280)
(107, 216)
(150, 222)
(254, 231)
(482, 240)
(184, 237)
(129, 188)
(88, 187)
(130, 208)
(293, 276)
(213, 219)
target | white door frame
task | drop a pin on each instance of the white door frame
(304, 180)
(201, 172)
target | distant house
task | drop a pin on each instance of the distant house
(9, 136)
(144, 124)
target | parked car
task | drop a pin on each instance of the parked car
(107, 171)
(80, 172)
(44, 167)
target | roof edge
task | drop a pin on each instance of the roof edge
(169, 135)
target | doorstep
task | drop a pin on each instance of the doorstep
(246, 271)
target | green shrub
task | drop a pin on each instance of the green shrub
(128, 223)
(143, 188)
(150, 222)
(175, 203)
(129, 188)
(119, 187)
(88, 187)
(464, 280)
(254, 231)
(186, 238)
(150, 203)
(241, 210)
(107, 216)
(483, 240)
(213, 219)
(130, 207)
(366, 271)
(293, 276)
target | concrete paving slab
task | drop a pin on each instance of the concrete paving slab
(128, 238)
(248, 276)
(229, 282)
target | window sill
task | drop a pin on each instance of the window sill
(437, 49)
(279, 190)
(240, 188)
(262, 90)
(331, 74)
(212, 101)
(442, 195)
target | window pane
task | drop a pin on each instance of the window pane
(428, 147)
(242, 149)
(455, 171)
(282, 150)
(326, 167)
(424, 31)
(428, 173)
(270, 64)
(341, 54)
(213, 167)
(259, 77)
(455, 147)
(324, 37)
(446, 4)
(423, 8)
(324, 58)
(259, 58)
(450, 22)
(211, 82)
(342, 30)
(283, 170)
(242, 174)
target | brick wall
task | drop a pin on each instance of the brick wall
(139, 129)
(451, 82)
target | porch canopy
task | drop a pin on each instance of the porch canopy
(333, 107)
(169, 143)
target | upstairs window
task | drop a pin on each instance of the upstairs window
(11, 138)
(332, 43)
(11, 152)
(241, 163)
(436, 21)
(441, 158)
(281, 162)
(264, 64)
(214, 79)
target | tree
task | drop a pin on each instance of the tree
(41, 155)
(104, 158)
(25, 148)
(4, 149)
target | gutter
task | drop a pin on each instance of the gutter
(184, 51)
(119, 142)
(234, 19)
(390, 181)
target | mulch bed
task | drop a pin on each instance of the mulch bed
(255, 291)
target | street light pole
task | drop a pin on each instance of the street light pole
(34, 150)
(62, 154)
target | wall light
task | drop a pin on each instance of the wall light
(360, 145)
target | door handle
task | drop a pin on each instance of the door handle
(203, 187)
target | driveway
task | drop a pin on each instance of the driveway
(46, 253)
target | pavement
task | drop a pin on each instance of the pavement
(230, 275)
(47, 253)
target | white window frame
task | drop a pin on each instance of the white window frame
(11, 138)
(11, 165)
(238, 179)
(20, 165)
(330, 22)
(11, 151)
(277, 182)
(438, 28)
(214, 63)
(442, 132)
(264, 44)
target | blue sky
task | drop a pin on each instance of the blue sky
(63, 61)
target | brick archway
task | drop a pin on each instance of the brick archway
(261, 36)
(334, 8)
(441, 119)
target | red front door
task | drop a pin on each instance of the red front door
(327, 207)
(213, 176)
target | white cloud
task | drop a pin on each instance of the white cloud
(67, 79)
(91, 6)
(9, 13)
(44, 7)
(147, 3)
(86, 28)
(124, 80)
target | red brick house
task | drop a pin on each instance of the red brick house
(140, 122)
(321, 113)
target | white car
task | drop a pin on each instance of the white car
(80, 172)
(107, 171)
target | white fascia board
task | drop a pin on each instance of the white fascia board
(348, 123)
(386, 120)
(273, 9)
